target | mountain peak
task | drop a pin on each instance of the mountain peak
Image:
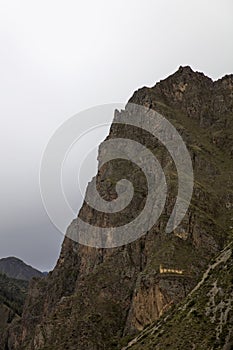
(16, 268)
(131, 288)
(188, 74)
(12, 258)
(185, 69)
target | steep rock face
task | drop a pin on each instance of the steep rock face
(204, 320)
(95, 297)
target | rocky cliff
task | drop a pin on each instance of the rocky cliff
(96, 298)
(204, 320)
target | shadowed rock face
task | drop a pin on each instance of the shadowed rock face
(12, 297)
(14, 277)
(95, 298)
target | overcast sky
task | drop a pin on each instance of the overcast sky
(60, 57)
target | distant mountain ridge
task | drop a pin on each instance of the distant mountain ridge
(15, 268)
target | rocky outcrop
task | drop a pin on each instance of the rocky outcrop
(204, 320)
(96, 298)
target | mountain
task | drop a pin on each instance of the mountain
(204, 320)
(14, 282)
(12, 297)
(16, 268)
(97, 299)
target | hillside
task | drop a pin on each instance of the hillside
(95, 299)
(12, 297)
(16, 268)
(204, 320)
(13, 292)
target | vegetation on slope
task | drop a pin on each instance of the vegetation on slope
(204, 320)
(13, 293)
